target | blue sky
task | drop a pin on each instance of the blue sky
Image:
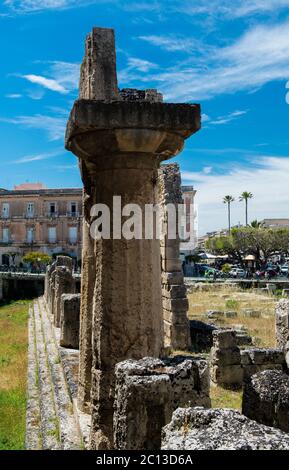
(232, 57)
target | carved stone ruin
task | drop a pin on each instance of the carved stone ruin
(147, 393)
(120, 144)
(231, 366)
(174, 298)
(219, 429)
(266, 399)
(69, 320)
(282, 323)
(226, 369)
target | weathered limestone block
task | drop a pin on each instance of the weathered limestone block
(282, 322)
(147, 392)
(255, 360)
(69, 320)
(120, 144)
(174, 297)
(63, 284)
(266, 399)
(226, 369)
(219, 429)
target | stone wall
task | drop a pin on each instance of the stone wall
(147, 393)
(174, 298)
(230, 366)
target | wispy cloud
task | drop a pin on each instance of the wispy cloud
(266, 172)
(13, 96)
(59, 76)
(259, 56)
(53, 126)
(230, 10)
(172, 43)
(227, 118)
(32, 6)
(48, 83)
(38, 157)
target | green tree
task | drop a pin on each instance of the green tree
(245, 196)
(228, 200)
(256, 224)
(36, 258)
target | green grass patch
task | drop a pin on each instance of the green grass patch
(13, 373)
(222, 398)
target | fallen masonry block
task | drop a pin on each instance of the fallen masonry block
(219, 429)
(147, 393)
(266, 399)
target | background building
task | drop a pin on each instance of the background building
(34, 218)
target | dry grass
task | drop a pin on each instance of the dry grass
(13, 372)
(228, 298)
(222, 398)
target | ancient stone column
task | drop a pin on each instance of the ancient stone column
(69, 320)
(120, 144)
(282, 323)
(174, 297)
(87, 290)
(226, 368)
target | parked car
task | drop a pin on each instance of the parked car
(284, 269)
(237, 273)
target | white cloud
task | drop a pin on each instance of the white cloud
(13, 96)
(260, 56)
(172, 43)
(140, 64)
(48, 83)
(266, 179)
(53, 126)
(230, 10)
(223, 119)
(32, 6)
(38, 157)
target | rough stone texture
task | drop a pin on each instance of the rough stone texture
(86, 308)
(266, 399)
(282, 322)
(226, 369)
(147, 392)
(63, 284)
(98, 79)
(219, 429)
(120, 145)
(69, 320)
(174, 298)
(131, 94)
(256, 360)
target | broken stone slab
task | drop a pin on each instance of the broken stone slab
(69, 320)
(252, 313)
(282, 322)
(219, 429)
(147, 392)
(266, 399)
(231, 314)
(214, 313)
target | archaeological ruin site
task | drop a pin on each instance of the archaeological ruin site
(115, 363)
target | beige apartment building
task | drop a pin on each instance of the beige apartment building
(34, 218)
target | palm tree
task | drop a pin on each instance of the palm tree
(245, 196)
(228, 200)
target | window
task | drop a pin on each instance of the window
(30, 209)
(52, 209)
(52, 234)
(72, 234)
(5, 210)
(73, 208)
(6, 235)
(30, 235)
